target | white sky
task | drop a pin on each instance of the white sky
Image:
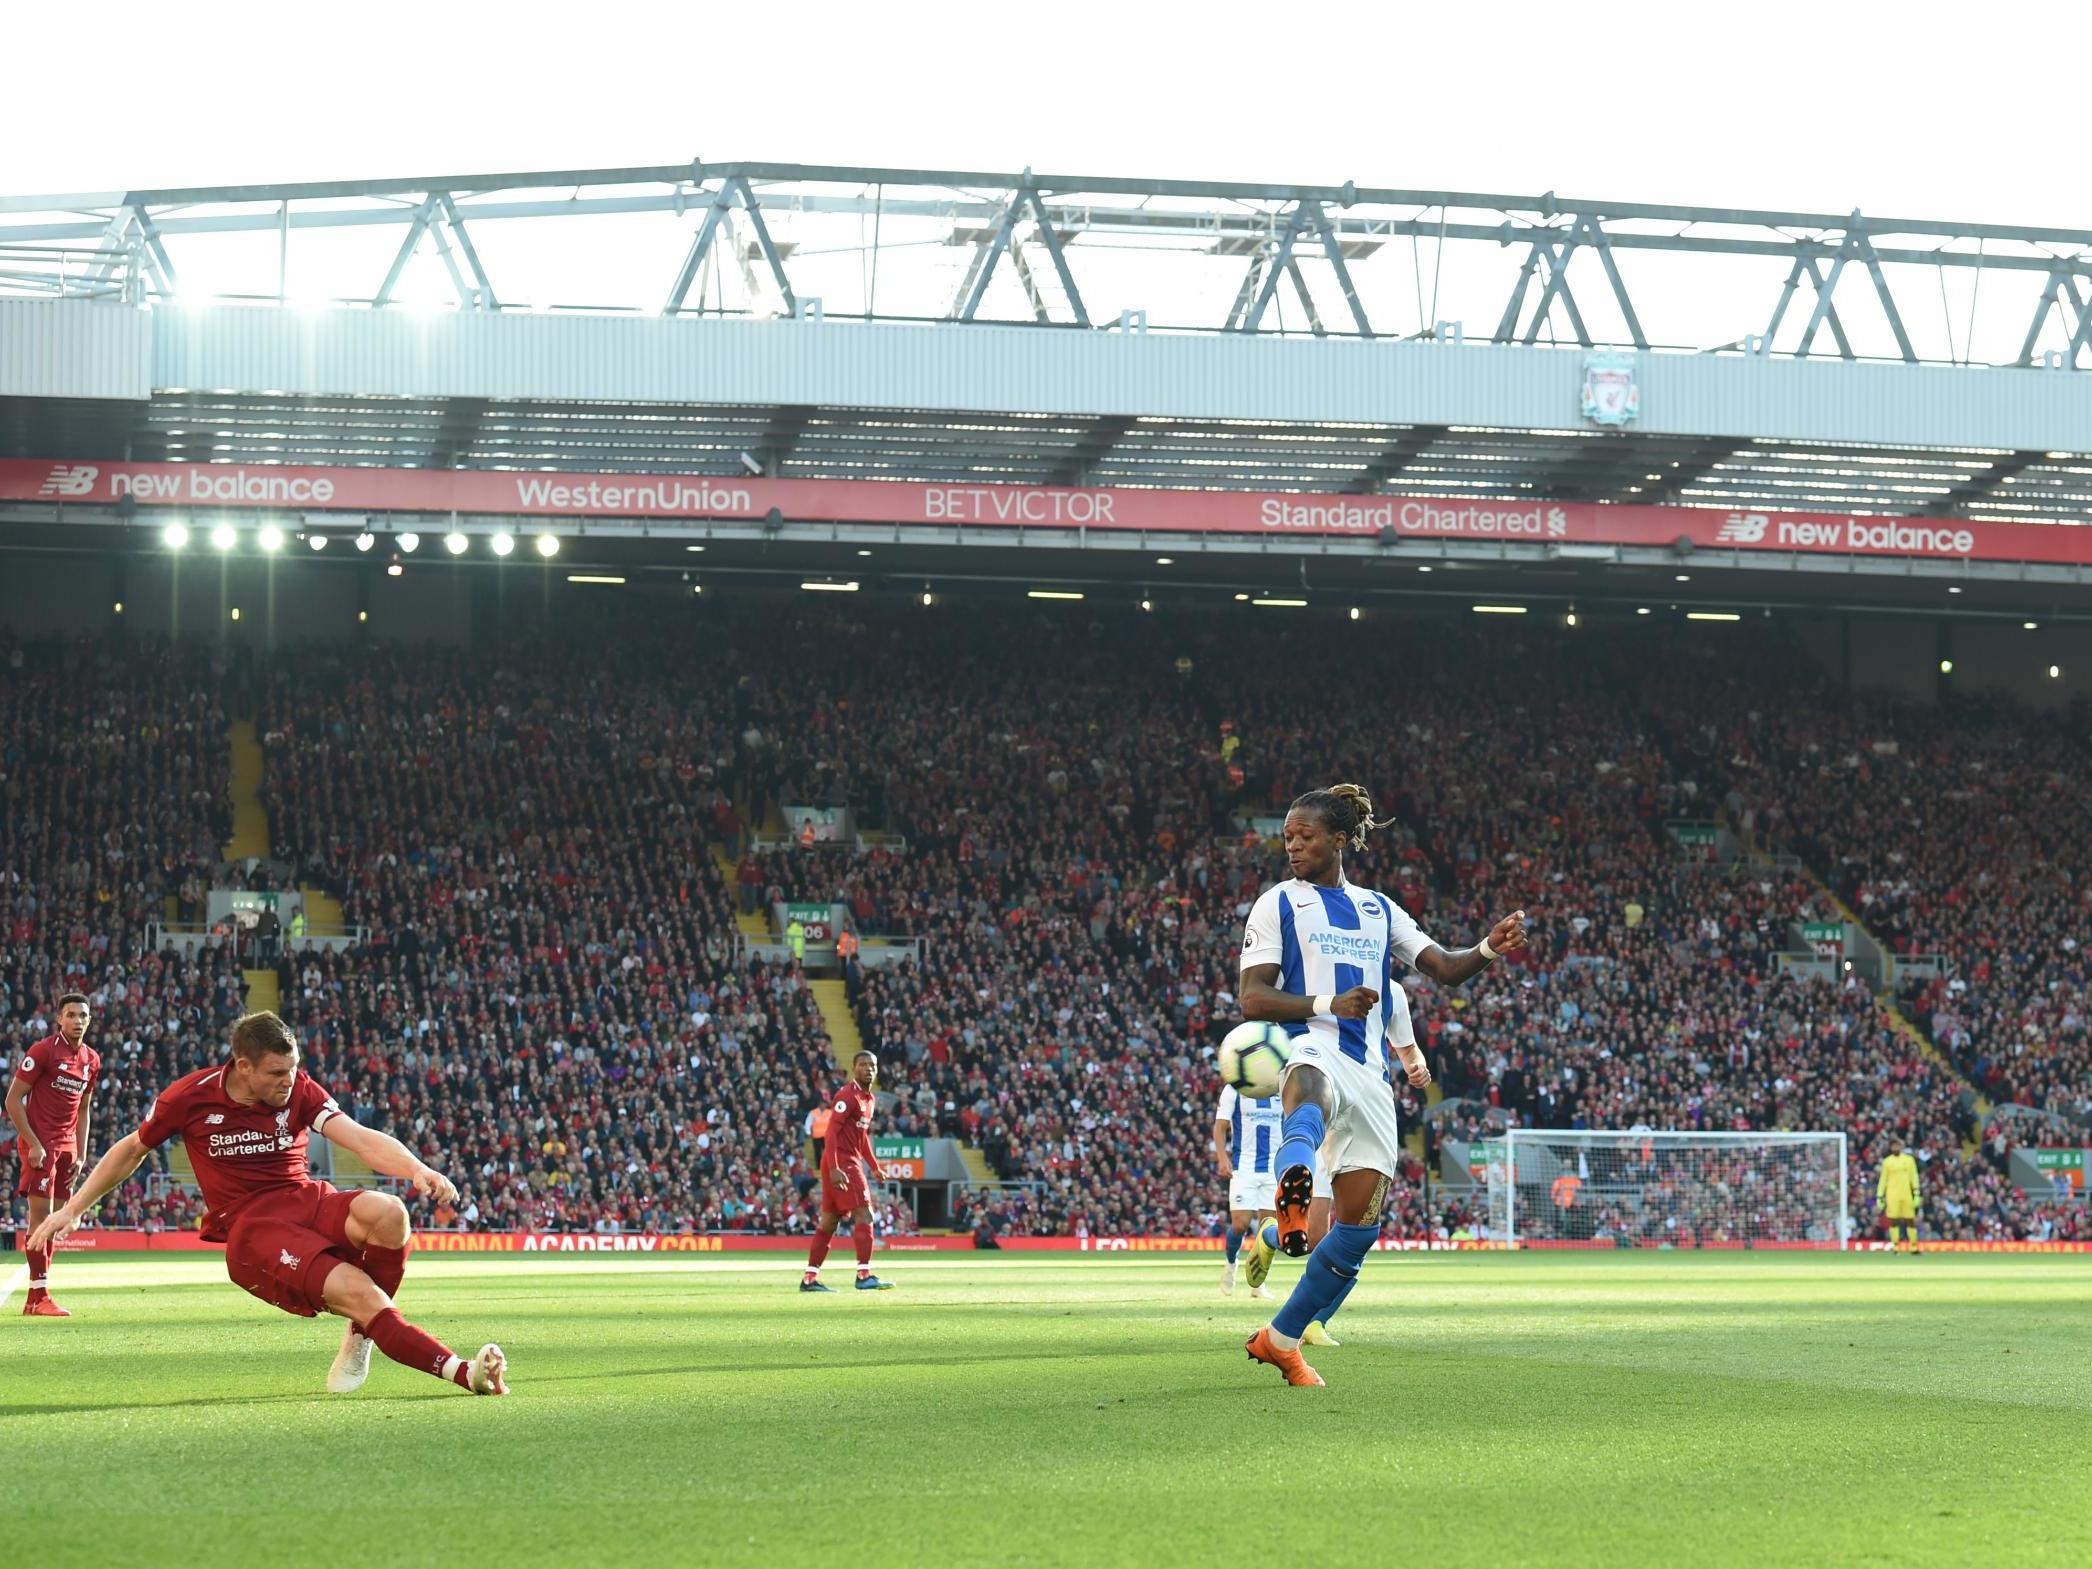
(1962, 112)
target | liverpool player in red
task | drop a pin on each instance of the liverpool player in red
(848, 1170)
(296, 1243)
(51, 1102)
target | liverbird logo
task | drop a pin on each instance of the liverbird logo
(283, 1129)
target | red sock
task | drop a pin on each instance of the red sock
(819, 1251)
(864, 1248)
(39, 1270)
(416, 1348)
(386, 1266)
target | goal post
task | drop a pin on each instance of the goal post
(1661, 1188)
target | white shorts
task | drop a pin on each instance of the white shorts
(1258, 1191)
(1252, 1190)
(1362, 1132)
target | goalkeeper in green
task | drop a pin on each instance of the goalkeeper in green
(1896, 1195)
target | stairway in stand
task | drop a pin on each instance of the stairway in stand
(1413, 1140)
(1902, 1023)
(754, 927)
(323, 911)
(250, 836)
(250, 823)
(833, 999)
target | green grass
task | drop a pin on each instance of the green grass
(1592, 1409)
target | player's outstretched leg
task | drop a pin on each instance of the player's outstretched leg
(356, 1297)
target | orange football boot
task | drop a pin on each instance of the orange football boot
(1290, 1363)
(43, 1307)
(1296, 1191)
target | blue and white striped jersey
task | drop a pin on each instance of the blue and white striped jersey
(1330, 940)
(1253, 1129)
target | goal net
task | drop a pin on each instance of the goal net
(1549, 1187)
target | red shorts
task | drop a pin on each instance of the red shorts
(283, 1246)
(52, 1180)
(854, 1194)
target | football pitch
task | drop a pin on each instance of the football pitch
(1483, 1409)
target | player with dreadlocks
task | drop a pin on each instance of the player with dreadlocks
(1318, 959)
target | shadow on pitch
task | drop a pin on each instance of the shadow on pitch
(825, 1365)
(206, 1402)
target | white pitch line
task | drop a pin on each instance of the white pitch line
(14, 1282)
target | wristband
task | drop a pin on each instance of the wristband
(1485, 950)
(1323, 1004)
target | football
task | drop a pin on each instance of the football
(1253, 1058)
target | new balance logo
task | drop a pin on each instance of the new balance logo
(69, 479)
(214, 1119)
(1742, 528)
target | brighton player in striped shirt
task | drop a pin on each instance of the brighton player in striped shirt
(1318, 958)
(1246, 1135)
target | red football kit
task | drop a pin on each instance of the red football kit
(57, 1077)
(847, 1154)
(283, 1229)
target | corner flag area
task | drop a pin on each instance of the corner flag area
(1621, 1408)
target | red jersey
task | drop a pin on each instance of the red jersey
(58, 1077)
(850, 1128)
(239, 1152)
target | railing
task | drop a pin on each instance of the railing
(874, 953)
(857, 844)
(1810, 966)
(71, 273)
(323, 936)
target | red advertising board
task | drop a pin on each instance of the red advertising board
(649, 1242)
(579, 497)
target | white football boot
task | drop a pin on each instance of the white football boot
(489, 1371)
(351, 1365)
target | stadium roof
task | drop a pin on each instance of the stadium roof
(939, 326)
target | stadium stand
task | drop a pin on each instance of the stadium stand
(545, 844)
(113, 767)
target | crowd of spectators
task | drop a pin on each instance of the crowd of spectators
(113, 794)
(547, 846)
(551, 1004)
(1960, 834)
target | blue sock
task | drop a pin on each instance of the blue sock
(1331, 1269)
(1302, 1137)
(1330, 1312)
(1270, 1235)
(1234, 1243)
